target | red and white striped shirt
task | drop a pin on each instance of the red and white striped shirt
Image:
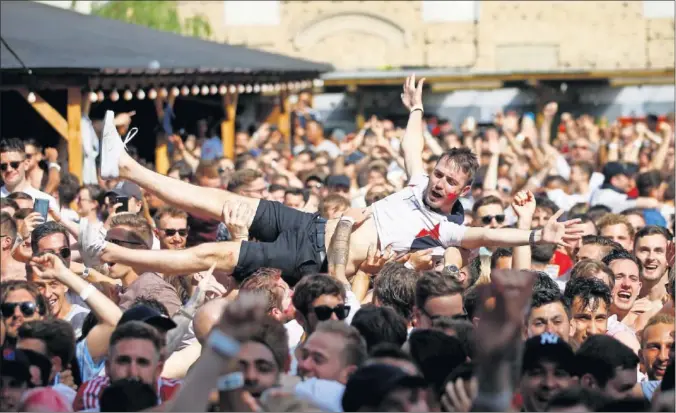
(89, 394)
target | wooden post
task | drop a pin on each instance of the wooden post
(228, 124)
(74, 115)
(48, 113)
(162, 161)
(284, 119)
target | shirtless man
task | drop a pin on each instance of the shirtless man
(424, 214)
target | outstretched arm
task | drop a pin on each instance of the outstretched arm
(414, 141)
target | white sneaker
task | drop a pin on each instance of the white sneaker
(112, 146)
(92, 238)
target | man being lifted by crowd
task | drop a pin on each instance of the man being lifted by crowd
(425, 214)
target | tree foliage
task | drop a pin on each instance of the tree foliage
(159, 15)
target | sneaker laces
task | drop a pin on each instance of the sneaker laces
(130, 135)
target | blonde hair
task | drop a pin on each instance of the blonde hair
(615, 219)
(659, 318)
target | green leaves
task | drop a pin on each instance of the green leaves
(159, 15)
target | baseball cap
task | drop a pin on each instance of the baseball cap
(149, 316)
(16, 364)
(550, 347)
(613, 169)
(128, 189)
(368, 386)
(337, 181)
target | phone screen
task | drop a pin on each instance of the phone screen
(41, 206)
(125, 203)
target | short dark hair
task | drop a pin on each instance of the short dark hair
(587, 266)
(46, 229)
(435, 284)
(395, 287)
(12, 145)
(544, 296)
(8, 225)
(137, 330)
(465, 159)
(576, 395)
(19, 195)
(57, 335)
(272, 334)
(600, 355)
(127, 395)
(597, 211)
(584, 219)
(487, 200)
(586, 167)
(138, 224)
(380, 325)
(294, 191)
(68, 189)
(543, 202)
(354, 351)
(554, 178)
(543, 281)
(589, 290)
(151, 302)
(623, 255)
(647, 181)
(389, 350)
(601, 241)
(542, 253)
(649, 230)
(311, 287)
(276, 187)
(463, 331)
(499, 253)
(8, 202)
(469, 300)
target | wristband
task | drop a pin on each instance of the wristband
(222, 344)
(85, 273)
(88, 290)
(54, 165)
(231, 381)
(531, 239)
(413, 109)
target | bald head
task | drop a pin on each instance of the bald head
(207, 317)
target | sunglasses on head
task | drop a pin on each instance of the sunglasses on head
(323, 312)
(5, 165)
(500, 218)
(170, 232)
(27, 308)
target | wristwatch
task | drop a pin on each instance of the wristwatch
(451, 270)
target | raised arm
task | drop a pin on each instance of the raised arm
(524, 208)
(414, 141)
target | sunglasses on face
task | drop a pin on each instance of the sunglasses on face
(6, 165)
(170, 232)
(500, 218)
(323, 312)
(63, 252)
(27, 308)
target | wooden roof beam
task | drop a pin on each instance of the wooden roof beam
(48, 113)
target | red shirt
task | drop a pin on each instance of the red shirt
(563, 261)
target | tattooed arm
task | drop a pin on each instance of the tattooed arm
(339, 249)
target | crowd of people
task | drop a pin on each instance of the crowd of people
(526, 265)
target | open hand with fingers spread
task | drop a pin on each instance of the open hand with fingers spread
(375, 260)
(564, 234)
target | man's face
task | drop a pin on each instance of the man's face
(85, 203)
(277, 195)
(209, 182)
(56, 244)
(636, 221)
(259, 367)
(588, 228)
(549, 318)
(447, 183)
(541, 382)
(540, 217)
(578, 175)
(621, 385)
(435, 307)
(323, 300)
(255, 189)
(581, 151)
(627, 284)
(134, 359)
(588, 320)
(14, 320)
(33, 156)
(652, 251)
(11, 391)
(376, 178)
(172, 232)
(491, 216)
(13, 168)
(657, 341)
(55, 293)
(322, 357)
(620, 234)
(294, 201)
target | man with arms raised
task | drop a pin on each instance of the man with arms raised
(296, 242)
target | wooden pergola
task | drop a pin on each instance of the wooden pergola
(47, 48)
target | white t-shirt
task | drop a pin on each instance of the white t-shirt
(35, 193)
(407, 224)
